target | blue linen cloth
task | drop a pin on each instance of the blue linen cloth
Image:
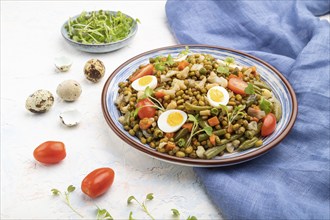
(292, 181)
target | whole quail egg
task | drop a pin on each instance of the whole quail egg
(94, 70)
(40, 101)
(69, 90)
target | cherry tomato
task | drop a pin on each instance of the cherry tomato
(50, 152)
(144, 71)
(269, 124)
(237, 85)
(146, 111)
(98, 182)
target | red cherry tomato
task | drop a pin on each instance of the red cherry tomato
(98, 182)
(50, 152)
(146, 111)
(237, 85)
(144, 71)
(269, 124)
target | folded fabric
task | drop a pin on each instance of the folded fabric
(292, 181)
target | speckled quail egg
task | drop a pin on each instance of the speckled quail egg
(171, 120)
(94, 70)
(40, 101)
(142, 83)
(217, 96)
(69, 90)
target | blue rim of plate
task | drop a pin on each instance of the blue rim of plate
(278, 83)
(133, 31)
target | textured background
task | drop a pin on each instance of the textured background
(30, 39)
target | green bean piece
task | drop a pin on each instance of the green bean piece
(261, 85)
(250, 100)
(277, 110)
(217, 140)
(234, 137)
(214, 151)
(158, 133)
(191, 107)
(203, 137)
(220, 132)
(181, 142)
(248, 144)
(214, 111)
(180, 134)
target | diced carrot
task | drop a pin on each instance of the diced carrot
(170, 146)
(212, 139)
(188, 125)
(159, 94)
(183, 64)
(254, 119)
(214, 121)
(169, 135)
(145, 123)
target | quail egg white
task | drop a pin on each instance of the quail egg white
(217, 96)
(142, 83)
(40, 101)
(171, 120)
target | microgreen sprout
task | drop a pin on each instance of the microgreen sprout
(161, 62)
(99, 27)
(130, 217)
(103, 214)
(175, 212)
(236, 112)
(66, 197)
(194, 131)
(143, 204)
(185, 51)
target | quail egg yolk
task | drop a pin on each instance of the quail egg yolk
(145, 80)
(216, 95)
(174, 119)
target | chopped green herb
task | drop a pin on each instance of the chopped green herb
(223, 70)
(191, 218)
(229, 60)
(249, 89)
(265, 105)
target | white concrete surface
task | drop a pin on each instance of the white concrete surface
(30, 40)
